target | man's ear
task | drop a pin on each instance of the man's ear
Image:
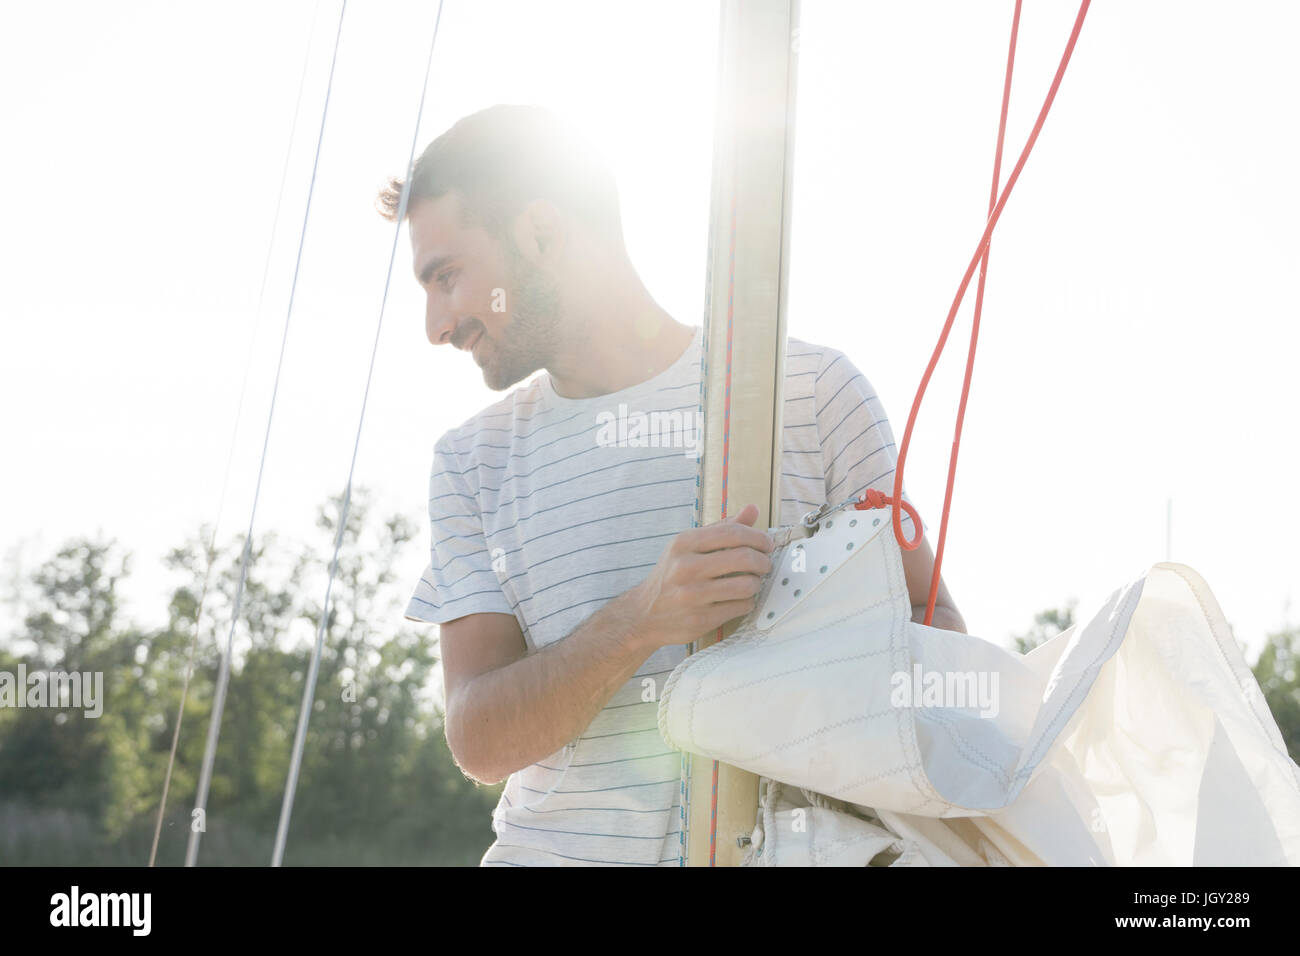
(539, 231)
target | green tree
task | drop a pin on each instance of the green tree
(1278, 673)
(377, 785)
(1047, 624)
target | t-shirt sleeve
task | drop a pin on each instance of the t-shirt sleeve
(460, 578)
(858, 448)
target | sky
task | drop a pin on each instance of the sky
(1137, 349)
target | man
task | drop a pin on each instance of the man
(564, 572)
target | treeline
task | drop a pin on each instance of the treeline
(377, 785)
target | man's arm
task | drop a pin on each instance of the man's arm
(507, 709)
(859, 452)
(918, 567)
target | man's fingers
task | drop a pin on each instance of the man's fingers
(747, 515)
(728, 534)
(722, 590)
(740, 560)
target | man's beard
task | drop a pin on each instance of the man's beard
(530, 341)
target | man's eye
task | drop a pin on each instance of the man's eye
(444, 278)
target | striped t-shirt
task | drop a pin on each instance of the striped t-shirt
(547, 507)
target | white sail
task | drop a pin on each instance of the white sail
(1136, 737)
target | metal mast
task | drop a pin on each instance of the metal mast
(744, 359)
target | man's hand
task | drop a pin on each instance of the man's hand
(705, 577)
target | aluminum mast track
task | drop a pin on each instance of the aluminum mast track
(744, 342)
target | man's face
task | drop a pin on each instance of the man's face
(481, 294)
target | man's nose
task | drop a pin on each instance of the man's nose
(439, 323)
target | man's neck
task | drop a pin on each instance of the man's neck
(618, 337)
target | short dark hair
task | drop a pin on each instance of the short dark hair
(499, 159)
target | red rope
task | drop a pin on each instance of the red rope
(871, 498)
(876, 499)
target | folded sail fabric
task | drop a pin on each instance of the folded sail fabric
(1136, 737)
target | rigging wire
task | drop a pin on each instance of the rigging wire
(230, 454)
(304, 715)
(223, 678)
